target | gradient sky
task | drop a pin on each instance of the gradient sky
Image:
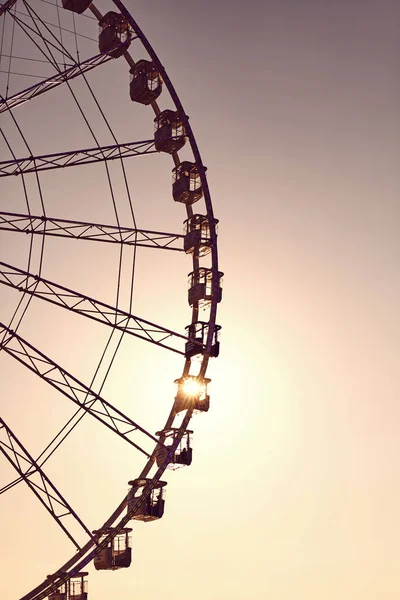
(295, 483)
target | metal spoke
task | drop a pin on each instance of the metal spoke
(6, 6)
(89, 307)
(43, 488)
(73, 158)
(71, 387)
(82, 230)
(52, 82)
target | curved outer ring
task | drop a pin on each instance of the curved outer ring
(87, 553)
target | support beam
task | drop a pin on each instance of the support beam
(96, 232)
(73, 158)
(73, 389)
(43, 488)
(41, 87)
(6, 6)
(91, 308)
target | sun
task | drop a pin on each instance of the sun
(191, 387)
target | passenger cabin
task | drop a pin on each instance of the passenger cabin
(115, 34)
(192, 393)
(186, 183)
(146, 82)
(200, 284)
(169, 133)
(151, 507)
(197, 232)
(183, 453)
(196, 345)
(117, 554)
(77, 6)
(74, 589)
(78, 587)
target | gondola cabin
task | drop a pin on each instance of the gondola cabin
(115, 34)
(200, 284)
(74, 589)
(197, 232)
(78, 587)
(192, 393)
(148, 508)
(183, 454)
(146, 82)
(76, 6)
(196, 345)
(186, 183)
(169, 132)
(117, 554)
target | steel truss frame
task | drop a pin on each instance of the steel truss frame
(82, 230)
(74, 301)
(43, 488)
(73, 158)
(6, 6)
(76, 391)
(7, 104)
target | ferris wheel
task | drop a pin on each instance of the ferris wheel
(95, 247)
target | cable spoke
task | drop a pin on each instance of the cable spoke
(43, 488)
(89, 307)
(76, 391)
(97, 232)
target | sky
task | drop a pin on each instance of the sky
(295, 482)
